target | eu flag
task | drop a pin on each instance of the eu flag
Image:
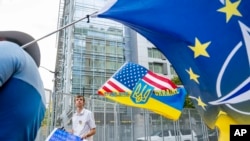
(134, 85)
(208, 44)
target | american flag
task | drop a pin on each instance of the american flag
(126, 78)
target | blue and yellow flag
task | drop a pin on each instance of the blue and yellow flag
(208, 44)
(134, 85)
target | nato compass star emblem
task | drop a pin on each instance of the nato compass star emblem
(236, 95)
(242, 92)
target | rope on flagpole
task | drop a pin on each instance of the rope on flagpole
(32, 42)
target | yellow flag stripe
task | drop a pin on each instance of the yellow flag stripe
(152, 104)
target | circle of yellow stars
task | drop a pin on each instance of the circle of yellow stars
(230, 9)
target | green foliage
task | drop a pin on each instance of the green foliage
(176, 80)
(188, 102)
(45, 120)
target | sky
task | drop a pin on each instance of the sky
(37, 18)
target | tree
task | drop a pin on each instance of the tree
(45, 120)
(188, 102)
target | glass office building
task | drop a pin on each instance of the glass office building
(89, 52)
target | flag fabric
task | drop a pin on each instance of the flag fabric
(136, 86)
(61, 135)
(208, 44)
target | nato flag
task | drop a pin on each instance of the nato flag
(208, 44)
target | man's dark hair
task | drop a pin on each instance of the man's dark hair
(79, 96)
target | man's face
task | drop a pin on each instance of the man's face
(79, 102)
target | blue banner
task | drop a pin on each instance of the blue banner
(61, 135)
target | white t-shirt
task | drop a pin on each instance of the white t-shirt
(82, 123)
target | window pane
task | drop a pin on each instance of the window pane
(150, 66)
(150, 54)
(158, 68)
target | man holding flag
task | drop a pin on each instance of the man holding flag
(22, 100)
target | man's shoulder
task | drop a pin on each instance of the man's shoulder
(87, 111)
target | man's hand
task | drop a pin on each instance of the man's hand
(89, 134)
(70, 131)
(86, 136)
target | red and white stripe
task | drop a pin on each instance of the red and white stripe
(158, 82)
(113, 85)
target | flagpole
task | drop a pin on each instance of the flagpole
(32, 42)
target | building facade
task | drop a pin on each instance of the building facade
(89, 52)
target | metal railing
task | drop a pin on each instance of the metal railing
(117, 122)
